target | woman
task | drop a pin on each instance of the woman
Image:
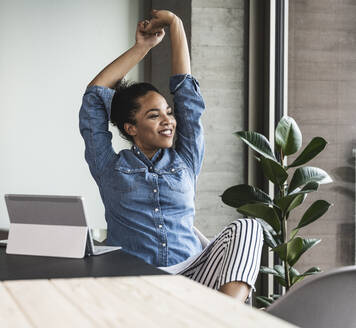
(148, 191)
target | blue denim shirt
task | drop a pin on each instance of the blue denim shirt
(149, 204)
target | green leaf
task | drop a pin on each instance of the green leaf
(299, 277)
(314, 212)
(309, 243)
(311, 271)
(307, 174)
(267, 270)
(296, 279)
(267, 227)
(293, 233)
(265, 301)
(269, 239)
(242, 194)
(269, 235)
(287, 203)
(310, 151)
(279, 269)
(296, 202)
(293, 274)
(292, 251)
(288, 136)
(294, 199)
(274, 171)
(282, 281)
(277, 272)
(288, 250)
(296, 253)
(262, 211)
(308, 188)
(257, 142)
(275, 296)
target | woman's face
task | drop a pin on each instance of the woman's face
(155, 124)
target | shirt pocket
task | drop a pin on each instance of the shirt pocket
(178, 179)
(123, 180)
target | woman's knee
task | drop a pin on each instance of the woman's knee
(247, 221)
(234, 226)
(254, 226)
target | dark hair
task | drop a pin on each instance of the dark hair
(124, 105)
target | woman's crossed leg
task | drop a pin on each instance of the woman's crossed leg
(231, 262)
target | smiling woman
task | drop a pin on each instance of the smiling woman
(149, 191)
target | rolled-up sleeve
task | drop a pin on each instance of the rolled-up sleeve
(93, 124)
(188, 108)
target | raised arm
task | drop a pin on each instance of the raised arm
(188, 102)
(96, 106)
(179, 45)
(116, 70)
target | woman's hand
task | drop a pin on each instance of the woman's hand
(159, 20)
(148, 40)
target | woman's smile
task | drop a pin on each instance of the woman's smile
(166, 133)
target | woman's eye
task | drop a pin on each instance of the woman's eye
(153, 116)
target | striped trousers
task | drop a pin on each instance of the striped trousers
(233, 255)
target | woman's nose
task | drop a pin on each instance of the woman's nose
(167, 119)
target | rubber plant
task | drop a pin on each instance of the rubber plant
(289, 193)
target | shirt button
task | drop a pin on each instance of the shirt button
(154, 190)
(138, 153)
(156, 209)
(151, 167)
(164, 245)
(160, 226)
(172, 170)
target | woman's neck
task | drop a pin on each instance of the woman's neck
(149, 153)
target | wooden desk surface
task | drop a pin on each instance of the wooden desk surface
(142, 301)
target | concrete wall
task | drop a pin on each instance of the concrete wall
(50, 51)
(218, 51)
(322, 99)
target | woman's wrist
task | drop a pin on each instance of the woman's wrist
(142, 48)
(161, 19)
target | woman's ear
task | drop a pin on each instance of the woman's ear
(130, 129)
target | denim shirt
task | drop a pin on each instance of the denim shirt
(149, 204)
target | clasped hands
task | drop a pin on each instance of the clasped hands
(151, 32)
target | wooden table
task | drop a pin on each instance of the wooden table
(142, 301)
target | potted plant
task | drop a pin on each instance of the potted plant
(274, 212)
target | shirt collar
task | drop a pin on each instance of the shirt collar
(137, 151)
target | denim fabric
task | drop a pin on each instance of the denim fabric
(149, 204)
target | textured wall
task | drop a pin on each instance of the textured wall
(218, 46)
(322, 99)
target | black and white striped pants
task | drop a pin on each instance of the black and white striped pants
(233, 255)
